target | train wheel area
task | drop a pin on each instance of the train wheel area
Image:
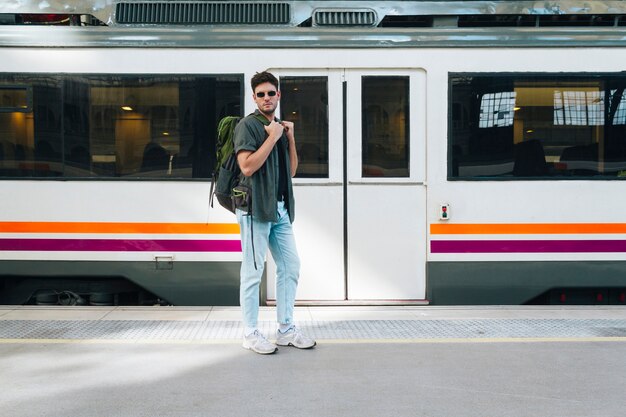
(74, 291)
(581, 296)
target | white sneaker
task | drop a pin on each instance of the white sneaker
(294, 337)
(256, 342)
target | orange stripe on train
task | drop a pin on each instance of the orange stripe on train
(105, 227)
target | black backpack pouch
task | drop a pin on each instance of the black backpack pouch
(242, 198)
(227, 180)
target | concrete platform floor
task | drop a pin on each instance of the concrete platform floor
(370, 361)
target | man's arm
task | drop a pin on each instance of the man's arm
(249, 161)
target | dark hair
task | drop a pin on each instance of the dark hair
(263, 77)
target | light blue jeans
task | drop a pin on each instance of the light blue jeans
(281, 242)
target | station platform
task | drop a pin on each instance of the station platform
(327, 324)
(369, 361)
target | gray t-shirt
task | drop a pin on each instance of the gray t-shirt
(249, 136)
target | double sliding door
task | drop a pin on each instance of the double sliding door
(360, 189)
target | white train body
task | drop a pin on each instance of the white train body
(362, 238)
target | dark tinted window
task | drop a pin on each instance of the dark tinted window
(148, 126)
(304, 101)
(539, 126)
(385, 122)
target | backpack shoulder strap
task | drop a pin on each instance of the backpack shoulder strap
(260, 118)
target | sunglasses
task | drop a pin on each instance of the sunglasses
(269, 93)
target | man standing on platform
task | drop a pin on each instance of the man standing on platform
(266, 153)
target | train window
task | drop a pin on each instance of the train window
(537, 126)
(304, 101)
(14, 99)
(30, 131)
(112, 126)
(385, 122)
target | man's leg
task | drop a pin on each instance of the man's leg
(283, 247)
(251, 276)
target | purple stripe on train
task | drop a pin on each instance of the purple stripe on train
(526, 246)
(120, 245)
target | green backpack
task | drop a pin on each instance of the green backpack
(226, 175)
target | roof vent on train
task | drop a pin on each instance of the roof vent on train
(503, 20)
(344, 17)
(202, 12)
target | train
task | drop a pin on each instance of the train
(451, 153)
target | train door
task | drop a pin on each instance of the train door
(360, 219)
(385, 190)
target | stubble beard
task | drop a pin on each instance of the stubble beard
(268, 113)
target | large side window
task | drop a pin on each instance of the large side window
(111, 126)
(304, 101)
(537, 126)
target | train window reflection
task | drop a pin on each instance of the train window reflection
(148, 126)
(304, 101)
(496, 109)
(537, 126)
(385, 121)
(14, 99)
